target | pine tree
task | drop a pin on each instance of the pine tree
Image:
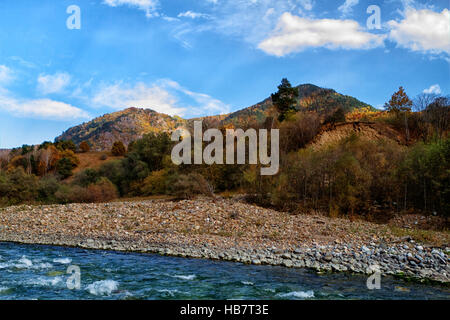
(285, 99)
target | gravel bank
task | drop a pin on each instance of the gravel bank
(227, 230)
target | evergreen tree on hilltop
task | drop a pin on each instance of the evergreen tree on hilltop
(285, 99)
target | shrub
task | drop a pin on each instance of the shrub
(84, 147)
(118, 149)
(71, 194)
(86, 177)
(102, 191)
(188, 186)
(18, 187)
(116, 172)
(48, 186)
(155, 183)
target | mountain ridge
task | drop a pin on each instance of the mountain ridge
(132, 123)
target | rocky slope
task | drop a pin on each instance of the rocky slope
(126, 125)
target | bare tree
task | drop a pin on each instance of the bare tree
(423, 100)
(438, 114)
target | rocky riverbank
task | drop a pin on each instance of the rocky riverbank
(230, 230)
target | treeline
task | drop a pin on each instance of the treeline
(48, 158)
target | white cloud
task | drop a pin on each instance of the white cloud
(294, 34)
(307, 4)
(206, 105)
(35, 108)
(422, 30)
(53, 83)
(162, 96)
(6, 74)
(347, 6)
(250, 20)
(193, 15)
(119, 96)
(170, 19)
(434, 89)
(149, 6)
(39, 108)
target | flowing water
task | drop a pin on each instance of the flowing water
(40, 272)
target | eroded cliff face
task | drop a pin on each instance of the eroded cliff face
(126, 126)
(370, 131)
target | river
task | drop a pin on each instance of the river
(40, 272)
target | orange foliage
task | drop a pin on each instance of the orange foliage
(364, 114)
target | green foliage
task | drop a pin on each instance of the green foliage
(45, 145)
(285, 99)
(64, 167)
(156, 183)
(117, 173)
(336, 117)
(26, 149)
(47, 188)
(86, 177)
(66, 145)
(152, 149)
(426, 175)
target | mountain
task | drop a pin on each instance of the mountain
(126, 125)
(130, 124)
(310, 97)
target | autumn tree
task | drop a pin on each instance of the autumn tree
(84, 147)
(118, 149)
(399, 104)
(285, 99)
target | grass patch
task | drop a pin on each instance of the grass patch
(423, 236)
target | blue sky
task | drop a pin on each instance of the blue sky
(206, 57)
